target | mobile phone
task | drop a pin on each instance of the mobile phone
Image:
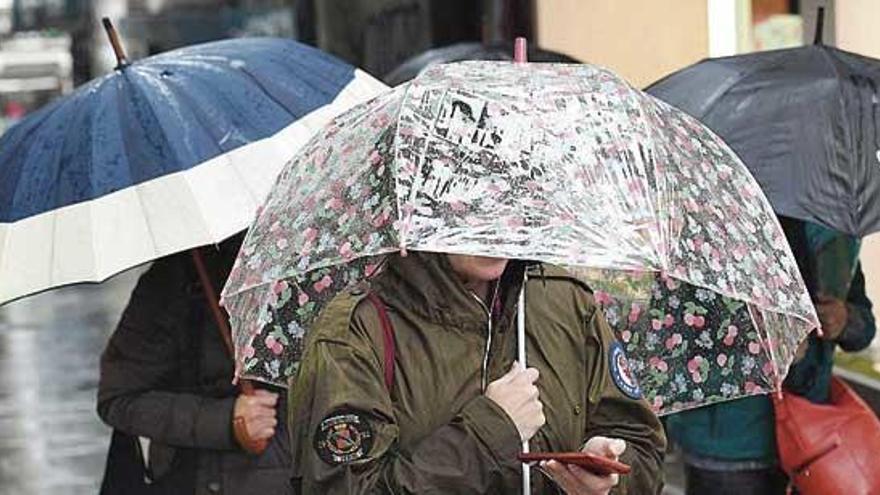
(595, 464)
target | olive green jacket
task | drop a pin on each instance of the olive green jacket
(435, 432)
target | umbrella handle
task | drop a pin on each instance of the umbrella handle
(222, 321)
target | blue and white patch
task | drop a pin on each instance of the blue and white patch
(621, 372)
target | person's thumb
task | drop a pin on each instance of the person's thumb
(615, 447)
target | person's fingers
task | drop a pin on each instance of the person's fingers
(594, 482)
(263, 422)
(559, 474)
(615, 447)
(525, 377)
(264, 398)
(604, 446)
(263, 433)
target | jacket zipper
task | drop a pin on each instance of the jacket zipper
(484, 369)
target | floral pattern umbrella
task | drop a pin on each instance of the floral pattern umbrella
(565, 164)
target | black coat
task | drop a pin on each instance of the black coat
(166, 375)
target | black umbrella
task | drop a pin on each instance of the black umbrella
(467, 51)
(804, 121)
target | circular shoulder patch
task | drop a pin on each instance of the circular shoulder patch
(343, 436)
(621, 373)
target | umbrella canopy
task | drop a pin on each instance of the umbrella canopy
(804, 120)
(168, 153)
(460, 52)
(564, 164)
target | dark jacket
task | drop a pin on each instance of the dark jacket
(166, 375)
(435, 431)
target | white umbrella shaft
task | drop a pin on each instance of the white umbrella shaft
(521, 357)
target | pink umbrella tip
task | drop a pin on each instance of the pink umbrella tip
(519, 50)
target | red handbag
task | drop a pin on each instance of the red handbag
(829, 448)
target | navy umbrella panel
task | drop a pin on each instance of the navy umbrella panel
(171, 152)
(803, 120)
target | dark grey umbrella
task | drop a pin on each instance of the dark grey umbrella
(468, 51)
(804, 121)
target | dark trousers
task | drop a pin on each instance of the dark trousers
(770, 481)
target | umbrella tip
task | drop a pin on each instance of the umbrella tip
(121, 59)
(820, 25)
(519, 50)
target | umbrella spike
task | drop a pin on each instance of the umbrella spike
(520, 54)
(121, 59)
(820, 25)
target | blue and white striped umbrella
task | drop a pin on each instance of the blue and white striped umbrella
(168, 153)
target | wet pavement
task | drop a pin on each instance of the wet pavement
(51, 439)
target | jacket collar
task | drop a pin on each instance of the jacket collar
(425, 284)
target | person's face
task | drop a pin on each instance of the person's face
(477, 268)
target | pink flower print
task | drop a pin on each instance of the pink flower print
(721, 359)
(740, 251)
(271, 343)
(278, 286)
(457, 206)
(302, 299)
(248, 352)
(656, 324)
(754, 347)
(310, 234)
(767, 369)
(625, 335)
(335, 204)
(375, 157)
(659, 364)
(689, 319)
(277, 349)
(602, 297)
(634, 313)
(694, 364)
(322, 284)
(380, 220)
(276, 225)
(699, 321)
(673, 341)
(671, 283)
(751, 388)
(658, 403)
(729, 339)
(668, 321)
(345, 251)
(532, 186)
(281, 243)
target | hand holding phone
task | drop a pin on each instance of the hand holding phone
(595, 464)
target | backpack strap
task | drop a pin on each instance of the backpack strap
(387, 338)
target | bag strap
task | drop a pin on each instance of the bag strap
(387, 338)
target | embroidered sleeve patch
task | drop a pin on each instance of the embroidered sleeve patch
(621, 372)
(342, 437)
